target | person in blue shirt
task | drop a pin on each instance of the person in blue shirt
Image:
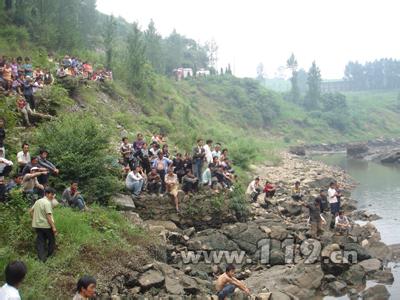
(161, 164)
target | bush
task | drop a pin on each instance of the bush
(78, 147)
(242, 153)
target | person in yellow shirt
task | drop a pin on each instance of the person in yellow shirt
(43, 223)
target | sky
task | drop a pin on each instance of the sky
(249, 32)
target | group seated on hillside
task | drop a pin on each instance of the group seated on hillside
(154, 170)
(21, 79)
(31, 177)
(75, 67)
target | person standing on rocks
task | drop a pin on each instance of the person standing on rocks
(198, 154)
(332, 198)
(227, 283)
(315, 218)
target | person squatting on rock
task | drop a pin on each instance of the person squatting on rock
(254, 189)
(226, 283)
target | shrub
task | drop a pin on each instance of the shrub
(78, 147)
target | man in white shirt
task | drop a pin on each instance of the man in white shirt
(5, 165)
(23, 157)
(332, 198)
(15, 273)
(254, 189)
(217, 151)
(134, 182)
(207, 150)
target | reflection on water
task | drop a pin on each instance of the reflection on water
(378, 191)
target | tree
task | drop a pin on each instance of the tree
(260, 72)
(212, 53)
(291, 64)
(153, 47)
(108, 38)
(136, 58)
(314, 87)
(221, 72)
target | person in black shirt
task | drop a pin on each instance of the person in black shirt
(179, 166)
(322, 200)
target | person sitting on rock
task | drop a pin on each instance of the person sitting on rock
(315, 218)
(71, 196)
(189, 183)
(269, 191)
(297, 195)
(227, 283)
(153, 182)
(5, 165)
(254, 189)
(342, 224)
(134, 182)
(172, 186)
(207, 178)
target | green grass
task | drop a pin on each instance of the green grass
(96, 242)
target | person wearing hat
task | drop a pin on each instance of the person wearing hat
(30, 183)
(46, 164)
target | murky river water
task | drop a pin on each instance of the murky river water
(378, 192)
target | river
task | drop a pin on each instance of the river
(378, 191)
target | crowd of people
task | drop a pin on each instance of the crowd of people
(151, 168)
(75, 67)
(327, 200)
(21, 79)
(31, 177)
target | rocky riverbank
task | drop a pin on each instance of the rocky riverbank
(274, 254)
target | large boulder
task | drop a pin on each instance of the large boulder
(357, 150)
(337, 288)
(278, 233)
(123, 202)
(360, 253)
(371, 265)
(391, 157)
(151, 278)
(355, 275)
(297, 150)
(377, 292)
(211, 239)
